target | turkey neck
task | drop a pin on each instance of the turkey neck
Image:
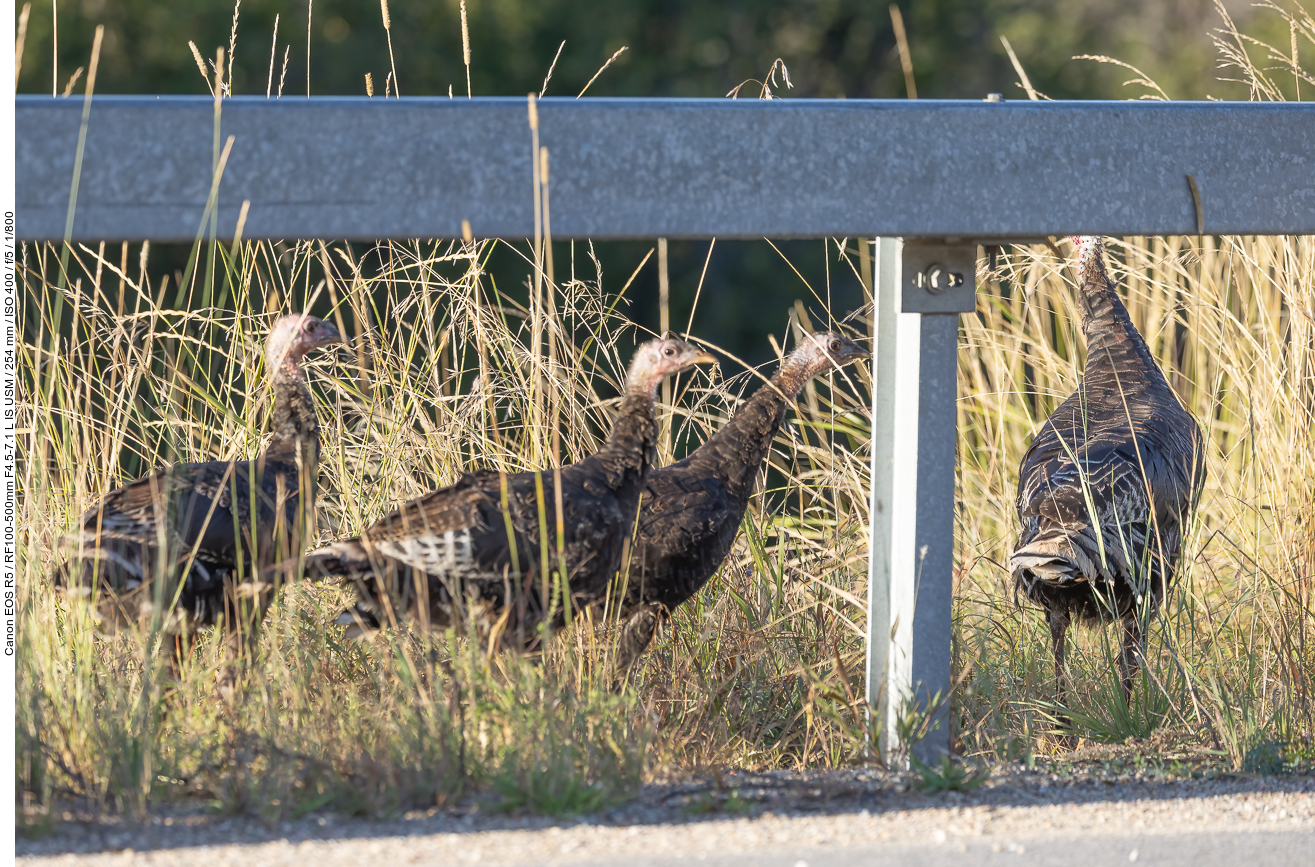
(294, 415)
(632, 446)
(736, 452)
(1114, 345)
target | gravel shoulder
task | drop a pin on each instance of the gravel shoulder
(836, 817)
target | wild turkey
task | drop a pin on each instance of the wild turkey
(479, 544)
(194, 539)
(692, 510)
(1109, 485)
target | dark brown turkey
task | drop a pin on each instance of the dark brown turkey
(692, 510)
(1109, 485)
(477, 551)
(192, 541)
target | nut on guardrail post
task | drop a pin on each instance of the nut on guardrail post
(941, 277)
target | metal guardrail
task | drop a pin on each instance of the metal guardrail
(362, 168)
(960, 172)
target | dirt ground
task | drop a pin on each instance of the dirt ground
(1020, 815)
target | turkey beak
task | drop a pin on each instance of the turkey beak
(327, 333)
(702, 358)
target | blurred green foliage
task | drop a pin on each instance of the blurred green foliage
(831, 48)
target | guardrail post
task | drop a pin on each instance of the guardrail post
(920, 290)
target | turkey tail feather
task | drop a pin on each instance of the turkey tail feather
(1055, 556)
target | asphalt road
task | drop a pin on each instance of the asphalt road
(810, 821)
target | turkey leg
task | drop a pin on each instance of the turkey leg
(1059, 620)
(636, 636)
(1130, 657)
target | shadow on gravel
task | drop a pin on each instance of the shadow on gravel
(727, 796)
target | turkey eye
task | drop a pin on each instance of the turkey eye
(309, 326)
(669, 351)
(835, 345)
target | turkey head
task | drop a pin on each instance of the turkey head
(292, 337)
(655, 360)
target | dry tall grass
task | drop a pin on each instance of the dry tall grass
(762, 669)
